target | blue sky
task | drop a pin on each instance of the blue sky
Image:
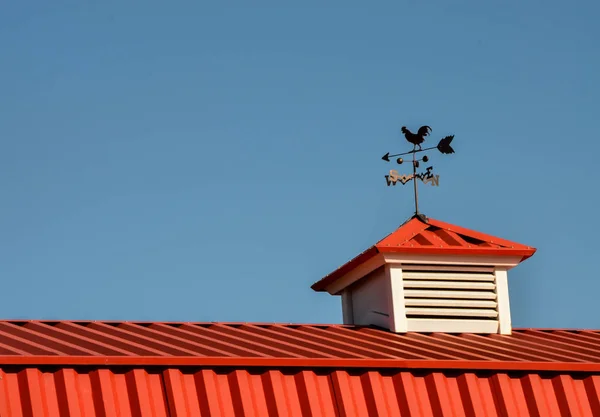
(208, 161)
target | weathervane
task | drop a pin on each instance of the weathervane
(427, 177)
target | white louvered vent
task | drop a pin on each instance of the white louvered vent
(442, 298)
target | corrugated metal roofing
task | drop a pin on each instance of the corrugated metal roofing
(131, 369)
(268, 393)
(64, 342)
(432, 237)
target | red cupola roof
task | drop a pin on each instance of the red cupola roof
(420, 235)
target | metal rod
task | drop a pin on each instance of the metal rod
(413, 151)
(415, 181)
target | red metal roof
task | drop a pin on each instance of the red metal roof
(136, 369)
(268, 393)
(432, 237)
(281, 345)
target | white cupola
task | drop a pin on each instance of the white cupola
(429, 276)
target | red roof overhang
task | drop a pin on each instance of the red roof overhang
(308, 363)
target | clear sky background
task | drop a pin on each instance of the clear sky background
(210, 160)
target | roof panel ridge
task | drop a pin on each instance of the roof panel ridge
(404, 233)
(479, 235)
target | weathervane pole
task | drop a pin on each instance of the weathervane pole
(415, 181)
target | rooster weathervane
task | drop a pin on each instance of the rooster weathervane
(426, 177)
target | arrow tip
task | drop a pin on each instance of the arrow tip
(386, 157)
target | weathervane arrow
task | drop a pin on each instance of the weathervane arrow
(443, 146)
(426, 177)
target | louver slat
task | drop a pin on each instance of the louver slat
(459, 285)
(450, 268)
(428, 302)
(448, 276)
(483, 295)
(451, 312)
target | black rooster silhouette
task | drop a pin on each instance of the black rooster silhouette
(416, 138)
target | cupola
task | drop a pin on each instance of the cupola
(429, 276)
